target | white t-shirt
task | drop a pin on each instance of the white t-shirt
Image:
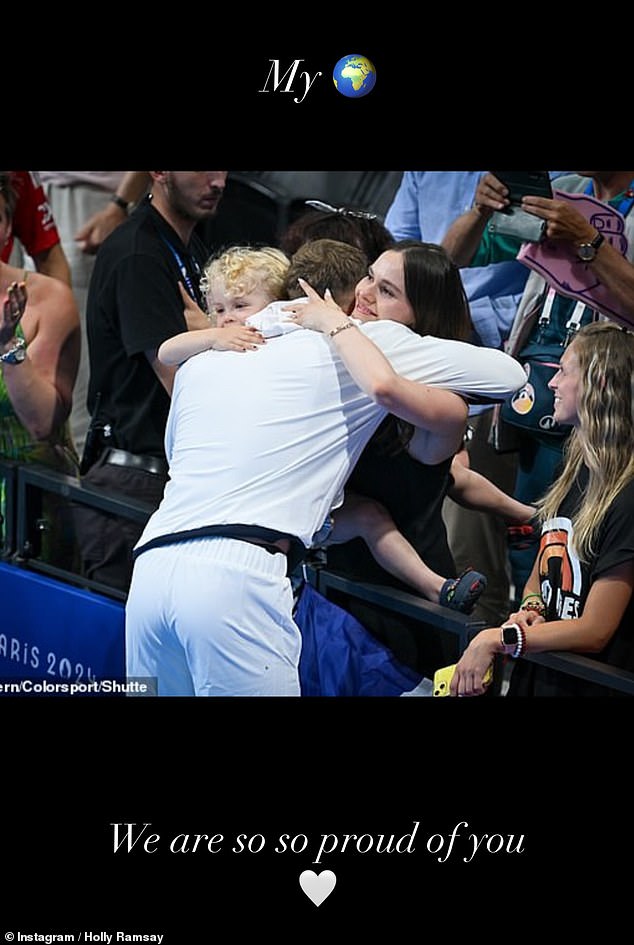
(269, 437)
(105, 180)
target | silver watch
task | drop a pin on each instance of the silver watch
(16, 354)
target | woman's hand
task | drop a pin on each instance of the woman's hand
(317, 314)
(12, 311)
(474, 662)
(526, 618)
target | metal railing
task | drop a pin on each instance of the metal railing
(22, 526)
(400, 602)
(465, 628)
(25, 522)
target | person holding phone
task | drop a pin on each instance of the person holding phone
(514, 221)
(424, 207)
(545, 320)
(522, 184)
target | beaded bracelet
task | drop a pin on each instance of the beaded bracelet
(521, 643)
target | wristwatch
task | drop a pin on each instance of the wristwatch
(16, 354)
(512, 639)
(587, 251)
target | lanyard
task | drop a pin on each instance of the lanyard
(191, 291)
(626, 202)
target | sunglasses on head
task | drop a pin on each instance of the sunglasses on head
(344, 211)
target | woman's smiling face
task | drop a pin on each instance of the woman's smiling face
(381, 294)
(565, 387)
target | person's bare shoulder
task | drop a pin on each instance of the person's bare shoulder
(51, 308)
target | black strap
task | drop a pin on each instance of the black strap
(296, 554)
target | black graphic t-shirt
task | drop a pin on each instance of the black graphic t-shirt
(565, 584)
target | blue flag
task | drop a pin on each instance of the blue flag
(341, 658)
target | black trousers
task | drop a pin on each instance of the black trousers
(105, 540)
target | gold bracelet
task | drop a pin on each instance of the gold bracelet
(335, 331)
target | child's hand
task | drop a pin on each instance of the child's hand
(236, 338)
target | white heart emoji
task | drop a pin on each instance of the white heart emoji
(317, 887)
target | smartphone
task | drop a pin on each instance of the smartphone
(443, 677)
(525, 183)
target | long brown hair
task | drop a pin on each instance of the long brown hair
(434, 289)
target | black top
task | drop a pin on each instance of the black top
(413, 494)
(134, 304)
(565, 584)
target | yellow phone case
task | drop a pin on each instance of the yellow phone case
(443, 677)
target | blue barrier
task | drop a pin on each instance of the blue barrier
(56, 632)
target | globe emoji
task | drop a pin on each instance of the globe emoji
(354, 76)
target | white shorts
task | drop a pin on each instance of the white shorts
(213, 617)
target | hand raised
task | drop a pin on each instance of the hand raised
(13, 308)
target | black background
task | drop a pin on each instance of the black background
(556, 772)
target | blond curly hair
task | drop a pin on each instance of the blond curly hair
(245, 268)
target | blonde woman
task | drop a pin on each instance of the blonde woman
(579, 594)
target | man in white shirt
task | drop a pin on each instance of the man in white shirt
(212, 615)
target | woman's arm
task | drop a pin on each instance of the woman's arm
(439, 411)
(41, 386)
(603, 611)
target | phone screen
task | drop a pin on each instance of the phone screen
(525, 183)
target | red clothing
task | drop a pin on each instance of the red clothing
(33, 222)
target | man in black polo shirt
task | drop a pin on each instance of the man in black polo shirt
(134, 304)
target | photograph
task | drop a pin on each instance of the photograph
(282, 454)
